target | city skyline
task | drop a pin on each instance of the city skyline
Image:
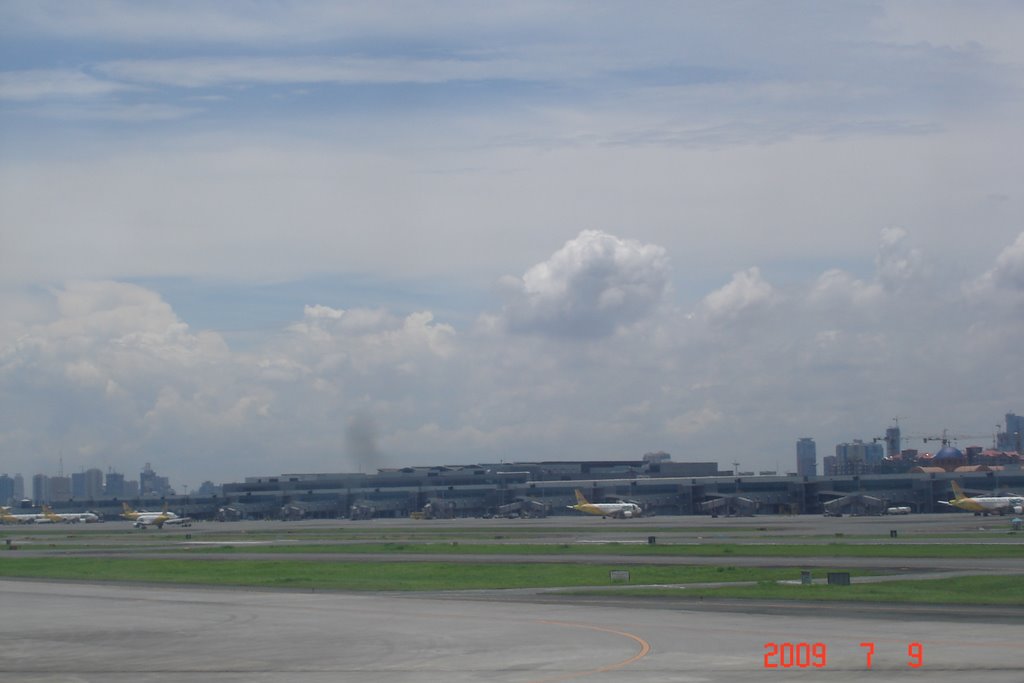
(805, 462)
(264, 236)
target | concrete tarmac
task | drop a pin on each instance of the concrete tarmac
(81, 632)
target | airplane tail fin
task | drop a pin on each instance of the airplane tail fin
(957, 491)
(126, 507)
(580, 500)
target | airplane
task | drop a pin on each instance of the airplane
(129, 513)
(52, 516)
(616, 510)
(985, 505)
(159, 519)
(135, 515)
(6, 517)
(69, 517)
(142, 519)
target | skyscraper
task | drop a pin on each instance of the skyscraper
(6, 489)
(806, 457)
(893, 441)
(115, 485)
(858, 457)
(40, 488)
(1011, 438)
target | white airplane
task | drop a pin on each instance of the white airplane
(68, 517)
(163, 518)
(7, 517)
(985, 505)
(142, 519)
(617, 510)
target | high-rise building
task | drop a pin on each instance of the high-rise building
(115, 485)
(19, 487)
(1011, 438)
(87, 485)
(829, 465)
(152, 483)
(858, 457)
(40, 488)
(806, 457)
(892, 441)
(94, 483)
(60, 488)
(78, 485)
(6, 490)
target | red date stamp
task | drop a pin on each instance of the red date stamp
(815, 655)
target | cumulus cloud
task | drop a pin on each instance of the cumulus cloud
(112, 369)
(897, 263)
(319, 311)
(899, 266)
(1003, 283)
(747, 291)
(1008, 272)
(836, 287)
(588, 288)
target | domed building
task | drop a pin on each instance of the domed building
(948, 458)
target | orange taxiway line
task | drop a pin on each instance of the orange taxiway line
(645, 649)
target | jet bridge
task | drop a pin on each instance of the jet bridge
(852, 504)
(730, 506)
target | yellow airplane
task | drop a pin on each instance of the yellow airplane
(7, 518)
(52, 516)
(69, 517)
(128, 512)
(617, 510)
(142, 519)
(985, 505)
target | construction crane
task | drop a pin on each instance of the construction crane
(946, 437)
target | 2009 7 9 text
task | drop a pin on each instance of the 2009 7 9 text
(815, 655)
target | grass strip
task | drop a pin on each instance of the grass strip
(981, 590)
(419, 576)
(895, 549)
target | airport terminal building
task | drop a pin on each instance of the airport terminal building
(547, 488)
(659, 485)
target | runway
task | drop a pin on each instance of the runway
(82, 632)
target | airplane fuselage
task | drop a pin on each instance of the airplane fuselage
(990, 505)
(622, 510)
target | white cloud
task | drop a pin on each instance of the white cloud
(759, 140)
(592, 285)
(213, 72)
(319, 311)
(116, 112)
(1008, 272)
(897, 263)
(38, 84)
(694, 422)
(836, 287)
(747, 291)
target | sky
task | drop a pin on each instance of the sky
(258, 237)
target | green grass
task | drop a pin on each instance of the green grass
(402, 576)
(725, 550)
(980, 590)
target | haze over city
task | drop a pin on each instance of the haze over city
(247, 238)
